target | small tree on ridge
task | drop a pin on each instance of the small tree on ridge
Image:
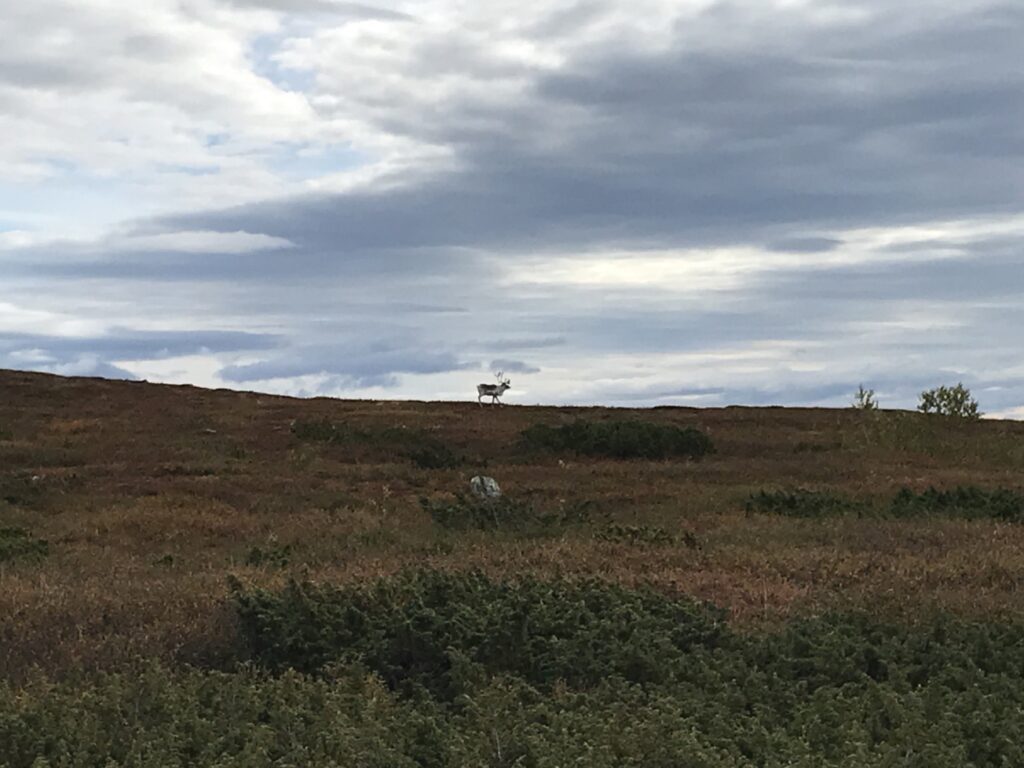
(950, 401)
(864, 399)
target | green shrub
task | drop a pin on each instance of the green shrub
(434, 455)
(503, 513)
(194, 719)
(963, 501)
(806, 446)
(619, 439)
(540, 670)
(968, 502)
(644, 534)
(319, 431)
(428, 629)
(801, 503)
(443, 671)
(423, 449)
(20, 490)
(864, 399)
(950, 401)
(274, 555)
(17, 543)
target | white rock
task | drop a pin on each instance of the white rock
(484, 487)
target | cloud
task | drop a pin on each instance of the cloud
(129, 344)
(201, 242)
(660, 202)
(374, 364)
(805, 245)
(513, 366)
(825, 126)
(332, 7)
(87, 365)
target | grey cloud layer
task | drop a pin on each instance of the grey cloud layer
(776, 130)
(92, 355)
(125, 344)
(360, 365)
(694, 143)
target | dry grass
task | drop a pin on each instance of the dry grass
(151, 495)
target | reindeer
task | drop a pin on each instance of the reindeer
(494, 391)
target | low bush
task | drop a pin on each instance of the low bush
(319, 431)
(644, 535)
(434, 630)
(503, 513)
(801, 503)
(426, 670)
(20, 490)
(421, 448)
(196, 719)
(541, 669)
(17, 543)
(955, 401)
(619, 440)
(969, 502)
(434, 455)
(806, 446)
(864, 399)
(273, 554)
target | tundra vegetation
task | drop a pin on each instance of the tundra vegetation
(207, 578)
(864, 399)
(955, 401)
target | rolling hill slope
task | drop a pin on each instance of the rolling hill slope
(213, 578)
(148, 496)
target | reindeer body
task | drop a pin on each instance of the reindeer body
(493, 391)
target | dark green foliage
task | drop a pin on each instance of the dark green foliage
(503, 513)
(273, 555)
(319, 431)
(444, 671)
(963, 501)
(556, 673)
(968, 502)
(644, 534)
(192, 719)
(423, 449)
(185, 470)
(950, 401)
(434, 455)
(864, 399)
(17, 543)
(431, 630)
(631, 439)
(810, 447)
(20, 490)
(801, 503)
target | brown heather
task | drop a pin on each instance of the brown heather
(151, 495)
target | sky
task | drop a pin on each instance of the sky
(647, 203)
